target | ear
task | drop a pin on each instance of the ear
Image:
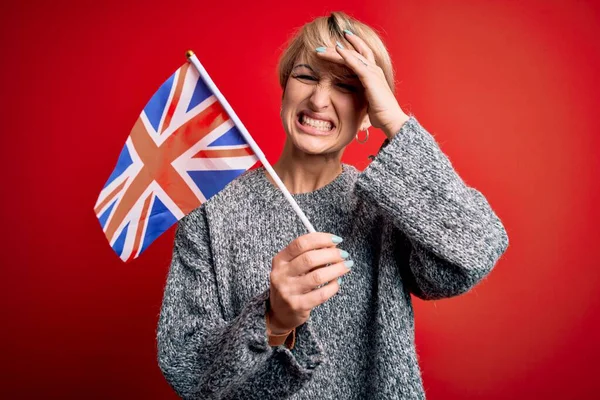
(365, 123)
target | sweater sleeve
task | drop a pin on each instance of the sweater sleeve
(204, 356)
(446, 230)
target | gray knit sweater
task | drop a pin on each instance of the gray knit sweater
(410, 224)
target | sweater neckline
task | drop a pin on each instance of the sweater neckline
(337, 183)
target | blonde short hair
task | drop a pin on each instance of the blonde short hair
(325, 31)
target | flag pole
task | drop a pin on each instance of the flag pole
(238, 123)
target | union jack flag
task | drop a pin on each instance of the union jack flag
(182, 150)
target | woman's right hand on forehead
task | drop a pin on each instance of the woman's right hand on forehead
(297, 273)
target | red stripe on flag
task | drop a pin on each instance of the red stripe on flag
(110, 197)
(217, 153)
(176, 96)
(140, 228)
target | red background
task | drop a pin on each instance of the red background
(509, 89)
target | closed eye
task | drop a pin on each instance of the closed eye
(306, 77)
(347, 87)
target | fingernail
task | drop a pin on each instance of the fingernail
(339, 281)
(338, 44)
(349, 264)
(321, 49)
(336, 239)
(344, 254)
(348, 32)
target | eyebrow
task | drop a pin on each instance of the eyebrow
(349, 76)
(303, 65)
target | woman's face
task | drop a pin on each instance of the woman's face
(321, 114)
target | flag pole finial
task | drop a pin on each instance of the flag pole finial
(189, 53)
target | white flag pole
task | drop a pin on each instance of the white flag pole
(211, 85)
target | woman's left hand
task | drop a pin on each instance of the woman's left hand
(383, 108)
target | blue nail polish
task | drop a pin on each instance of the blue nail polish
(348, 32)
(336, 239)
(338, 44)
(339, 281)
(321, 49)
(349, 264)
(344, 254)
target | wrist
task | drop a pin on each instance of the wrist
(392, 129)
(277, 339)
(273, 327)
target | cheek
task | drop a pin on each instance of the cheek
(359, 102)
(350, 111)
(294, 93)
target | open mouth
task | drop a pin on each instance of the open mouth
(315, 123)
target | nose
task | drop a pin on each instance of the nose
(320, 98)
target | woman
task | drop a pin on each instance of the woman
(254, 308)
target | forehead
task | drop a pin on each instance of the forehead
(323, 67)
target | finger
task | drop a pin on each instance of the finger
(354, 60)
(308, 242)
(360, 46)
(343, 56)
(329, 54)
(319, 296)
(312, 259)
(323, 275)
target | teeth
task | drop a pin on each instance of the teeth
(316, 123)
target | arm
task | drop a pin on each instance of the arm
(451, 235)
(200, 353)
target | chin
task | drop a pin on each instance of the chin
(313, 146)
